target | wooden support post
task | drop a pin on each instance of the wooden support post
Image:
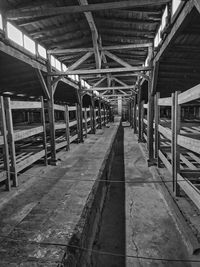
(135, 114)
(5, 145)
(150, 130)
(85, 119)
(157, 122)
(44, 129)
(99, 111)
(81, 120)
(139, 116)
(93, 118)
(51, 114)
(175, 148)
(67, 127)
(142, 122)
(11, 141)
(104, 114)
(78, 122)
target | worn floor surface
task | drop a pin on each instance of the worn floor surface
(150, 228)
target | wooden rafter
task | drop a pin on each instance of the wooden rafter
(100, 71)
(43, 83)
(111, 88)
(117, 59)
(95, 35)
(80, 61)
(104, 48)
(52, 11)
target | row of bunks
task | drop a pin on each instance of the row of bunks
(26, 134)
(176, 139)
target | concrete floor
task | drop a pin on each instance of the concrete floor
(150, 228)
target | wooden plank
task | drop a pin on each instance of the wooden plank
(25, 105)
(72, 108)
(104, 48)
(80, 61)
(11, 143)
(189, 95)
(30, 160)
(22, 134)
(99, 71)
(59, 107)
(167, 101)
(40, 11)
(190, 190)
(157, 122)
(111, 88)
(188, 163)
(5, 146)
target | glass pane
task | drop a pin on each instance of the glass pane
(14, 34)
(29, 44)
(42, 51)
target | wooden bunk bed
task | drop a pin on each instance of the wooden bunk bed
(177, 143)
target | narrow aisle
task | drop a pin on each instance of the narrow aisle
(111, 236)
(150, 229)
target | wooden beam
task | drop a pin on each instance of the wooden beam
(99, 82)
(103, 48)
(122, 95)
(119, 81)
(40, 11)
(117, 59)
(100, 71)
(111, 88)
(178, 25)
(43, 83)
(95, 35)
(80, 61)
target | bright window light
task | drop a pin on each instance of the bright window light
(53, 61)
(175, 5)
(58, 64)
(64, 68)
(82, 83)
(14, 34)
(76, 78)
(164, 18)
(70, 76)
(29, 44)
(1, 22)
(42, 51)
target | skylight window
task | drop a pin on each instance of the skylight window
(76, 78)
(14, 34)
(58, 64)
(175, 5)
(29, 44)
(64, 67)
(164, 18)
(1, 22)
(53, 61)
(42, 51)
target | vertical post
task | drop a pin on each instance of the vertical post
(175, 148)
(44, 129)
(85, 118)
(93, 116)
(150, 114)
(5, 145)
(78, 122)
(51, 113)
(135, 114)
(100, 121)
(142, 121)
(104, 114)
(67, 127)
(11, 141)
(157, 122)
(139, 115)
